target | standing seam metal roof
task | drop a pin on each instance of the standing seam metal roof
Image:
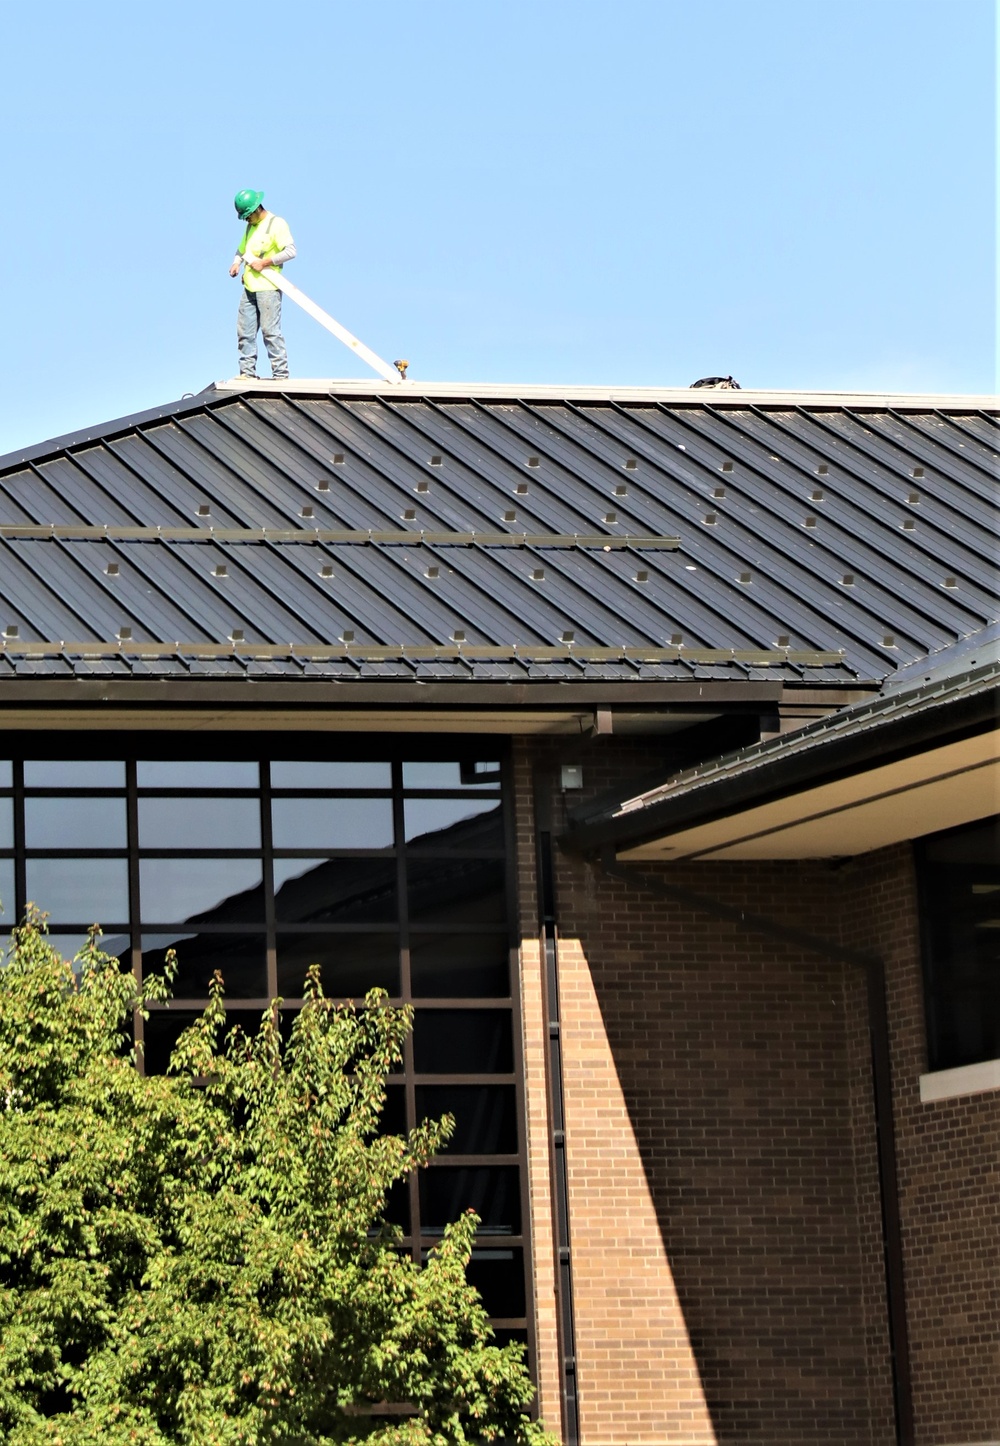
(643, 538)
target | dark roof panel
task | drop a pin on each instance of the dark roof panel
(812, 540)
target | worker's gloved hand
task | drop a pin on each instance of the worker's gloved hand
(234, 269)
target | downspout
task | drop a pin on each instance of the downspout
(558, 1169)
(885, 1129)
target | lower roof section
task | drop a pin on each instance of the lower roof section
(920, 759)
(937, 789)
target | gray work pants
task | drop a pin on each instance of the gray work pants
(261, 311)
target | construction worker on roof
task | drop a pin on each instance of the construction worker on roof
(267, 242)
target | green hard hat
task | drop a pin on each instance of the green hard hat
(246, 203)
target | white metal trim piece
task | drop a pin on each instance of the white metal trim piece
(695, 396)
(954, 1084)
(388, 373)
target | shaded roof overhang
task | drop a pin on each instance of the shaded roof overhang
(921, 758)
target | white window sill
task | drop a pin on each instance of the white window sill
(953, 1084)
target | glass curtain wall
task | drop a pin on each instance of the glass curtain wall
(387, 871)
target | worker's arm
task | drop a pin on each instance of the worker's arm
(237, 263)
(259, 263)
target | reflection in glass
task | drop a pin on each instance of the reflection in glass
(485, 1116)
(350, 964)
(6, 773)
(80, 891)
(492, 1191)
(6, 823)
(172, 773)
(498, 1275)
(450, 966)
(199, 823)
(463, 1041)
(451, 775)
(332, 823)
(458, 891)
(204, 891)
(7, 901)
(241, 959)
(118, 946)
(453, 823)
(65, 773)
(163, 1027)
(335, 891)
(74, 823)
(331, 775)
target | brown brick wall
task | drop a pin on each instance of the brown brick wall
(726, 1222)
(949, 1180)
(720, 1284)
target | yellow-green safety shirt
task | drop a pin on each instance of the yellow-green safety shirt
(269, 237)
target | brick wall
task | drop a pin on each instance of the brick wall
(722, 1292)
(949, 1180)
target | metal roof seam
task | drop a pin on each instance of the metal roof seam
(794, 589)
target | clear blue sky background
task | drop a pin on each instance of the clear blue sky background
(646, 191)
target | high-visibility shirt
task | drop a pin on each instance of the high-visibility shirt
(267, 238)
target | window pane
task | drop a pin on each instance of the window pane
(485, 1116)
(240, 958)
(6, 774)
(332, 823)
(64, 773)
(118, 946)
(208, 774)
(453, 823)
(350, 964)
(457, 891)
(163, 1027)
(393, 1121)
(498, 1275)
(960, 901)
(73, 823)
(451, 775)
(335, 891)
(199, 823)
(6, 823)
(463, 1041)
(457, 966)
(80, 891)
(492, 1191)
(204, 891)
(341, 774)
(8, 903)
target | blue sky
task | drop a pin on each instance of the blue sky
(639, 192)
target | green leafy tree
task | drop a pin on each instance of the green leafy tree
(199, 1257)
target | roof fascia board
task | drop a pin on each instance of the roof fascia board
(858, 752)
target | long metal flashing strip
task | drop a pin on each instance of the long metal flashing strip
(415, 652)
(71, 532)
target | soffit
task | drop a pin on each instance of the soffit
(936, 789)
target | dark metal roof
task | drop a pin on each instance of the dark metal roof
(945, 700)
(295, 533)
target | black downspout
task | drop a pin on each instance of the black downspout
(566, 1324)
(885, 1128)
